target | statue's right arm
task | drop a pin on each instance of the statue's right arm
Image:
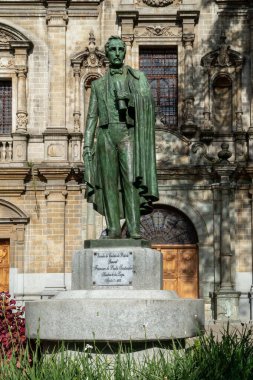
(91, 122)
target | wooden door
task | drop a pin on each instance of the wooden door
(4, 265)
(180, 269)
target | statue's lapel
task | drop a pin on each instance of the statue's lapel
(103, 87)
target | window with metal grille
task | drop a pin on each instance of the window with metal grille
(5, 106)
(160, 66)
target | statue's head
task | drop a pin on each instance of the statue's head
(115, 51)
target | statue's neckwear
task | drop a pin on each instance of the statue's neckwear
(116, 75)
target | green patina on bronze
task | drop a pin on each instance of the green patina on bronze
(119, 144)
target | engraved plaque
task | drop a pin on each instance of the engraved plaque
(112, 268)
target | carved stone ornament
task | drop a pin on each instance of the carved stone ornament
(6, 62)
(159, 31)
(159, 3)
(4, 37)
(91, 56)
(199, 154)
(22, 120)
(223, 56)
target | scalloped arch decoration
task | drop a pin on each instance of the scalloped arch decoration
(167, 225)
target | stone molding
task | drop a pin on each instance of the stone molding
(159, 31)
(11, 38)
(17, 215)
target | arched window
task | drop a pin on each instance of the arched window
(166, 225)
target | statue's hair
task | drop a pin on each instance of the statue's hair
(111, 39)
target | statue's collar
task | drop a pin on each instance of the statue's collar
(133, 72)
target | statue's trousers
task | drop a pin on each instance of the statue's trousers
(115, 157)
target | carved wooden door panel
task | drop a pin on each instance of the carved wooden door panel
(180, 269)
(4, 265)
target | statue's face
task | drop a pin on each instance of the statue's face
(116, 53)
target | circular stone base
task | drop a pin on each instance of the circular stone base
(114, 315)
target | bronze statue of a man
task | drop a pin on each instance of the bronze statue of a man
(119, 144)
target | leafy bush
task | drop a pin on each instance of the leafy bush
(12, 328)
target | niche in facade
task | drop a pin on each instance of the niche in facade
(88, 65)
(222, 89)
(222, 103)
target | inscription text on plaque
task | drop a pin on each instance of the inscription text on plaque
(112, 268)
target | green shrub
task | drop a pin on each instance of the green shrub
(227, 358)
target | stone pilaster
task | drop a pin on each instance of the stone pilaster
(188, 19)
(56, 201)
(20, 136)
(251, 199)
(77, 113)
(226, 298)
(127, 20)
(91, 222)
(251, 70)
(56, 136)
(250, 130)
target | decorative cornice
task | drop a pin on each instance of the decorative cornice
(188, 15)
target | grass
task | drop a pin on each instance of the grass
(227, 358)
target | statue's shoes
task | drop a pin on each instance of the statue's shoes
(135, 236)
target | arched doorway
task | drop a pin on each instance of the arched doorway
(172, 233)
(12, 228)
(4, 264)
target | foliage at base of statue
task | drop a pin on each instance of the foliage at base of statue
(226, 357)
(12, 328)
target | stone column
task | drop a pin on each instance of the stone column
(250, 293)
(207, 112)
(188, 18)
(56, 134)
(226, 299)
(22, 116)
(75, 154)
(188, 40)
(77, 71)
(91, 222)
(20, 136)
(128, 41)
(251, 201)
(239, 113)
(241, 148)
(127, 20)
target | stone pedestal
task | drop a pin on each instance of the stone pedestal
(146, 265)
(114, 316)
(226, 305)
(128, 308)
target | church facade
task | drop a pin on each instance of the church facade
(198, 58)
